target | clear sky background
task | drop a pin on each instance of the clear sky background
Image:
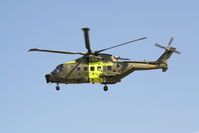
(144, 102)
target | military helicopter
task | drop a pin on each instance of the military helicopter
(96, 67)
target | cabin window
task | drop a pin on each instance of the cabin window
(58, 69)
(92, 68)
(78, 68)
(99, 68)
(109, 68)
(85, 68)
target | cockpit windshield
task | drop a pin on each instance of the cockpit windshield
(58, 69)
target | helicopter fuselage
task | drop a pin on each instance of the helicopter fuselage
(104, 72)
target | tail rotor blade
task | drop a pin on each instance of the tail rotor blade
(158, 45)
(177, 52)
(171, 40)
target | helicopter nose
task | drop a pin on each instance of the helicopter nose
(54, 79)
(47, 77)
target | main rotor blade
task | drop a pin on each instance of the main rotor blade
(86, 37)
(119, 45)
(119, 58)
(53, 51)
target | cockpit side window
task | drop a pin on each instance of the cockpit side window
(58, 69)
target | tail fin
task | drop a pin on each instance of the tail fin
(166, 55)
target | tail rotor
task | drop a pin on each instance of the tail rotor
(169, 48)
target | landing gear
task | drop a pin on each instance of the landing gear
(57, 87)
(105, 88)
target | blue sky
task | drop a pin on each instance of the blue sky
(147, 101)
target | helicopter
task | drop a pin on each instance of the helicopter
(97, 67)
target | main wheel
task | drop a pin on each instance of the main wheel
(105, 88)
(57, 88)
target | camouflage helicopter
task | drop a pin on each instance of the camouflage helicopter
(96, 67)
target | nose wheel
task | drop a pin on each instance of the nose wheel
(105, 88)
(57, 87)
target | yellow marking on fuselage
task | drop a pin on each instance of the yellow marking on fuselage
(70, 62)
(94, 76)
(152, 65)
